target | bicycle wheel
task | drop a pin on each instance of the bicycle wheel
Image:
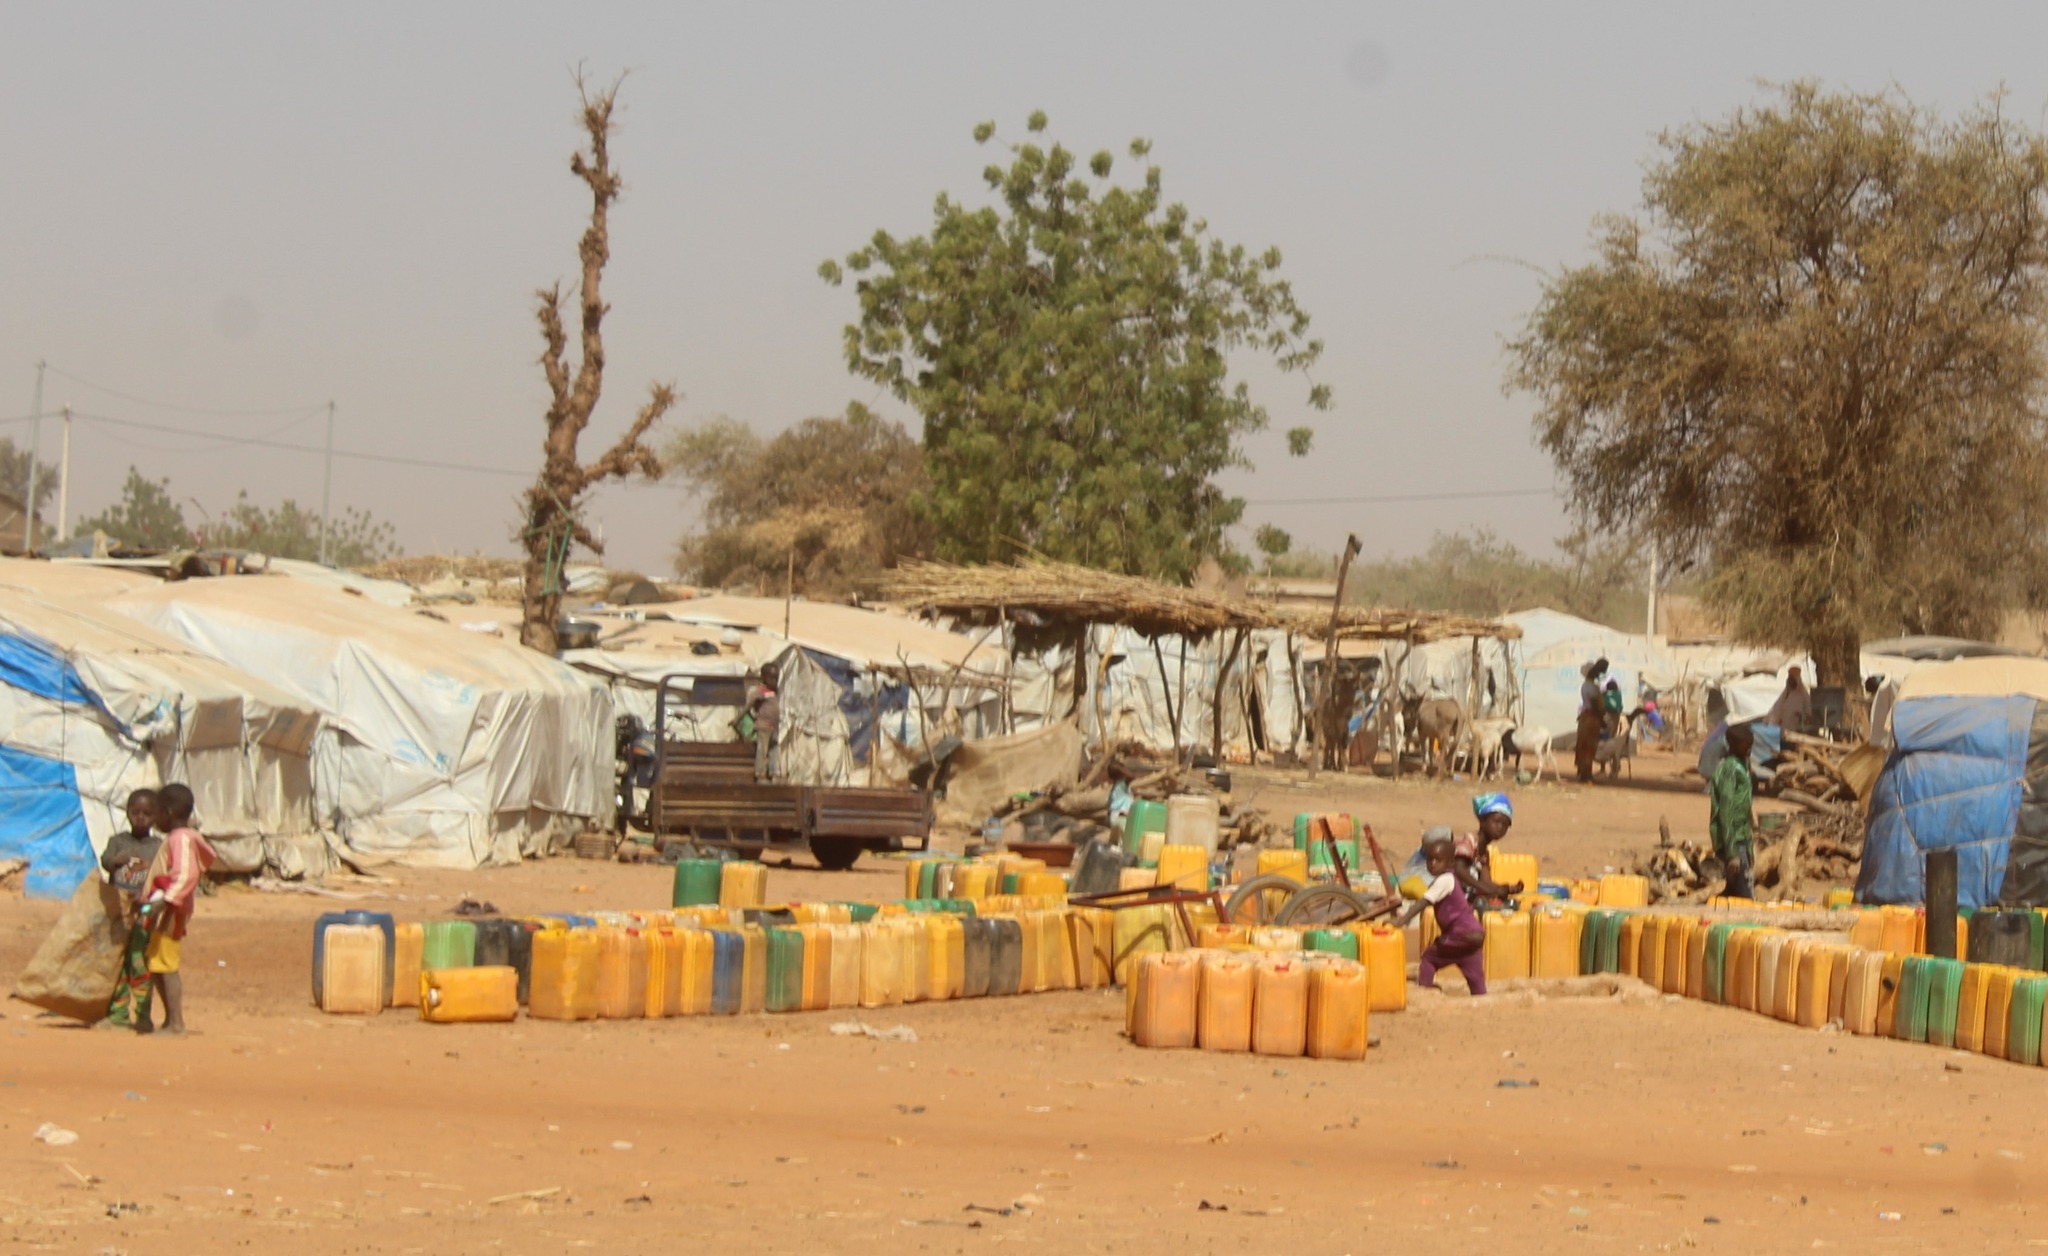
(1260, 900)
(1323, 905)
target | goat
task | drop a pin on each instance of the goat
(1533, 741)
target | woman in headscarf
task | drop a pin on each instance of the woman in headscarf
(1590, 719)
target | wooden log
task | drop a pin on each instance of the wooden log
(1812, 803)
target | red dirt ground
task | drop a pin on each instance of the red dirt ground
(1650, 1124)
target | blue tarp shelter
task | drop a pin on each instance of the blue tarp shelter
(1967, 772)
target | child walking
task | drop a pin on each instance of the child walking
(1461, 940)
(173, 884)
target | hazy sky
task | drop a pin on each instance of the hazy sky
(260, 208)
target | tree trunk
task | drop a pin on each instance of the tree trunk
(540, 601)
(1838, 660)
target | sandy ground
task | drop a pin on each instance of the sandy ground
(1639, 1124)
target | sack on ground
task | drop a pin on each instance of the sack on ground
(74, 970)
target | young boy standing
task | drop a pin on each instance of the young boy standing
(127, 861)
(173, 885)
(1732, 793)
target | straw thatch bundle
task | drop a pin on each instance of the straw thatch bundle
(1067, 597)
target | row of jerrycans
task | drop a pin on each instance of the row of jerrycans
(1270, 1003)
(979, 879)
(613, 972)
(1380, 951)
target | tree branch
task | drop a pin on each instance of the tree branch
(629, 455)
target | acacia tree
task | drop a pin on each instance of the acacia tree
(554, 504)
(1813, 365)
(1068, 348)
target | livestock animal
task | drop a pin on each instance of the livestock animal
(1534, 741)
(1487, 735)
(1441, 724)
(1614, 751)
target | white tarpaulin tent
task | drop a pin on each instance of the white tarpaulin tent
(127, 707)
(438, 747)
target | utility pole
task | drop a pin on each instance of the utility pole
(327, 485)
(1651, 630)
(64, 482)
(28, 508)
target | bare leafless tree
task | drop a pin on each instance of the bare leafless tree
(554, 504)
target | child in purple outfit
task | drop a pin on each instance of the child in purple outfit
(1461, 938)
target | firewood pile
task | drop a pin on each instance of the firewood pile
(1815, 847)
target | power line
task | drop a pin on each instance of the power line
(266, 443)
(1386, 498)
(167, 405)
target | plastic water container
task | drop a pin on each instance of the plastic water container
(1194, 820)
(1865, 981)
(917, 960)
(1506, 868)
(409, 943)
(448, 944)
(846, 954)
(1554, 942)
(2023, 1023)
(565, 967)
(697, 971)
(1292, 864)
(1816, 976)
(728, 971)
(619, 995)
(1998, 993)
(1144, 817)
(468, 995)
(1339, 941)
(1280, 1006)
(742, 883)
(1899, 930)
(1384, 953)
(1507, 945)
(1678, 932)
(817, 974)
(1281, 938)
(1695, 986)
(977, 936)
(785, 991)
(1186, 867)
(353, 976)
(1970, 999)
(1136, 879)
(1339, 998)
(1622, 890)
(1310, 828)
(2002, 937)
(1006, 955)
(381, 921)
(663, 995)
(506, 944)
(1770, 967)
(1055, 957)
(1139, 931)
(697, 882)
(1090, 970)
(1319, 858)
(881, 964)
(1165, 996)
(1910, 1018)
(1223, 1011)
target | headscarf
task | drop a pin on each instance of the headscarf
(1484, 805)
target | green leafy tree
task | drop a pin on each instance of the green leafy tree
(1813, 365)
(1068, 348)
(145, 517)
(354, 538)
(1478, 573)
(1274, 542)
(834, 494)
(14, 461)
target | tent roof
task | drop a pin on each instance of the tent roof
(1075, 596)
(1992, 677)
(1940, 649)
(353, 622)
(867, 638)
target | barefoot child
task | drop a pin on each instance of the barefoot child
(1461, 940)
(173, 884)
(126, 861)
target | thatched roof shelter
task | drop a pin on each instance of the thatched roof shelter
(1064, 598)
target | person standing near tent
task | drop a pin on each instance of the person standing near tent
(1732, 794)
(173, 885)
(127, 860)
(764, 709)
(1794, 704)
(1591, 708)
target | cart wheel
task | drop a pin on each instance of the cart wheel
(1260, 900)
(1319, 906)
(835, 854)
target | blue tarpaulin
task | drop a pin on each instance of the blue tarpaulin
(34, 666)
(41, 821)
(1954, 780)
